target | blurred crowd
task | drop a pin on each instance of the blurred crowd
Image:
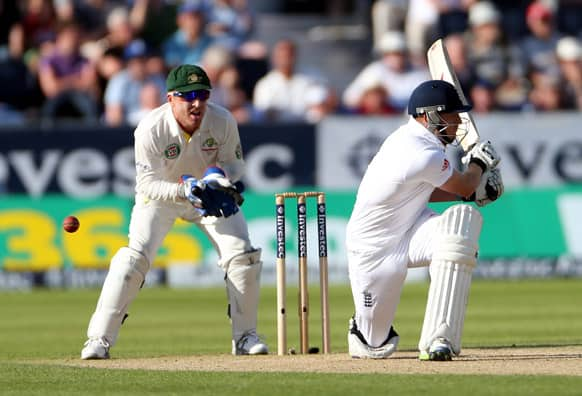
(105, 61)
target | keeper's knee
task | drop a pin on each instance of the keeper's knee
(130, 264)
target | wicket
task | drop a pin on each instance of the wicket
(302, 258)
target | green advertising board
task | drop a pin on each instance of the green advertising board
(524, 223)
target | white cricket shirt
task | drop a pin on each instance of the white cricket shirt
(163, 152)
(396, 188)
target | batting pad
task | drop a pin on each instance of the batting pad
(451, 268)
(126, 275)
(242, 289)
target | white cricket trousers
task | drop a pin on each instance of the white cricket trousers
(152, 220)
(377, 277)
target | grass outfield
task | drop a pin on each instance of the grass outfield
(43, 326)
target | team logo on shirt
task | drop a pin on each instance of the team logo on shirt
(238, 152)
(209, 144)
(172, 151)
(445, 165)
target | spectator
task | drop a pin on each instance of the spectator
(120, 32)
(545, 94)
(569, 53)
(149, 99)
(67, 79)
(122, 96)
(375, 100)
(387, 15)
(215, 60)
(427, 20)
(230, 22)
(107, 66)
(539, 47)
(236, 100)
(321, 102)
(160, 22)
(395, 71)
(483, 97)
(457, 49)
(38, 21)
(64, 11)
(494, 61)
(19, 87)
(188, 43)
(10, 16)
(280, 94)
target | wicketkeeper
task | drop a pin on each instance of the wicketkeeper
(392, 228)
(189, 164)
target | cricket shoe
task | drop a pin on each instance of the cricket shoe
(249, 344)
(95, 348)
(359, 348)
(440, 351)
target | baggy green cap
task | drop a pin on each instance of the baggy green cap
(186, 78)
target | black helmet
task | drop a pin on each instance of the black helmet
(436, 95)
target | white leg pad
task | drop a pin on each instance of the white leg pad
(243, 276)
(125, 277)
(451, 268)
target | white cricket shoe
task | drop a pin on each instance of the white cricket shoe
(359, 348)
(95, 348)
(249, 344)
(440, 350)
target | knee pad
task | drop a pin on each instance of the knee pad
(126, 276)
(454, 257)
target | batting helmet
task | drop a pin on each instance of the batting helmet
(435, 95)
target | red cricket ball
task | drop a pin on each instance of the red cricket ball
(71, 224)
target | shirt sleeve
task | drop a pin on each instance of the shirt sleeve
(148, 162)
(230, 155)
(431, 166)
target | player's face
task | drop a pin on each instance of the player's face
(453, 120)
(189, 108)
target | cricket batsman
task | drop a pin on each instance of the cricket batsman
(189, 163)
(391, 227)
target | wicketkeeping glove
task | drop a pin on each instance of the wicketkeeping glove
(490, 189)
(215, 178)
(193, 190)
(482, 154)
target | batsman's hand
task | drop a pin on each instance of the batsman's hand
(482, 154)
(490, 189)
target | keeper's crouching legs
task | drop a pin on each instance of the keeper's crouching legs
(125, 278)
(243, 273)
(453, 260)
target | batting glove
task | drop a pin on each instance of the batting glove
(482, 154)
(490, 189)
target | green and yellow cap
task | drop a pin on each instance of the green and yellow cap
(185, 78)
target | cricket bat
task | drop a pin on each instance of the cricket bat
(441, 68)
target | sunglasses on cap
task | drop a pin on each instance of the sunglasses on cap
(199, 94)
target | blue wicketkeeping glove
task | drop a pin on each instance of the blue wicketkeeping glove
(193, 189)
(224, 195)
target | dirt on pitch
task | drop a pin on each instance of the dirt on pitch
(563, 360)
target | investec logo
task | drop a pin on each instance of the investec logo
(302, 230)
(321, 231)
(280, 231)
